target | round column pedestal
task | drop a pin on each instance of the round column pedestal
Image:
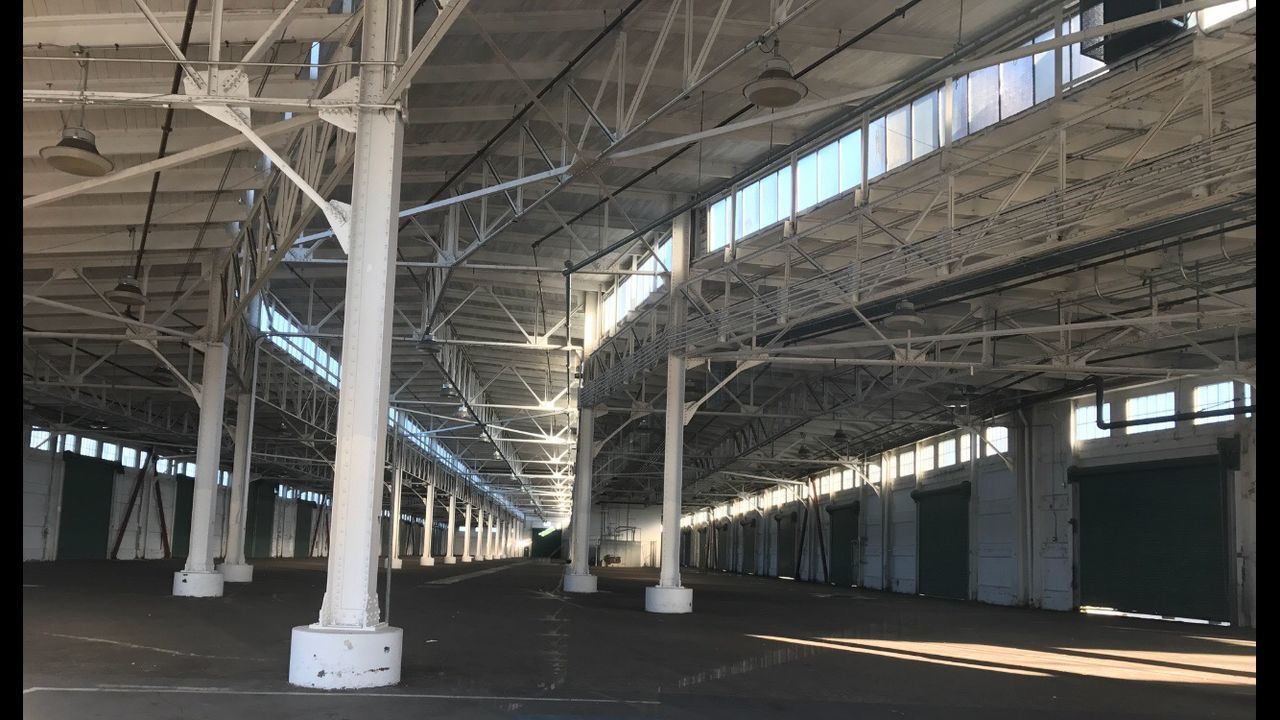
(467, 558)
(345, 659)
(579, 583)
(669, 600)
(197, 584)
(450, 559)
(233, 572)
(427, 562)
(397, 563)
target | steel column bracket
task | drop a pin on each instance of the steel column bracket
(338, 214)
(691, 408)
(345, 118)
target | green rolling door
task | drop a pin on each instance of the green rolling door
(942, 522)
(85, 522)
(685, 538)
(748, 564)
(704, 548)
(786, 544)
(1153, 538)
(844, 544)
(724, 551)
(185, 487)
(260, 522)
(544, 546)
(302, 530)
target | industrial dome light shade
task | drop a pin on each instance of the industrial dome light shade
(77, 154)
(127, 292)
(904, 317)
(462, 411)
(840, 436)
(446, 389)
(957, 401)
(775, 86)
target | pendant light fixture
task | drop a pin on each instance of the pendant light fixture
(127, 292)
(775, 87)
(77, 152)
(904, 317)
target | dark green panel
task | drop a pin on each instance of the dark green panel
(844, 538)
(1153, 539)
(545, 547)
(185, 487)
(748, 548)
(259, 525)
(85, 522)
(787, 545)
(302, 530)
(685, 538)
(943, 522)
(724, 550)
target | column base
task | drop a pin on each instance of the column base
(397, 563)
(426, 562)
(197, 584)
(450, 559)
(467, 558)
(345, 659)
(668, 600)
(236, 572)
(579, 583)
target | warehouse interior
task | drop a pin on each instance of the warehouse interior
(657, 358)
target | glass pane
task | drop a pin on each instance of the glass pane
(784, 193)
(1149, 406)
(960, 99)
(924, 125)
(715, 226)
(737, 215)
(828, 171)
(769, 200)
(984, 98)
(898, 137)
(875, 149)
(750, 208)
(1016, 86)
(1044, 70)
(807, 182)
(850, 160)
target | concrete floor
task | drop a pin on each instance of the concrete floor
(106, 640)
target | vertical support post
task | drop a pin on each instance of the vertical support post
(233, 568)
(668, 596)
(482, 534)
(466, 534)
(350, 646)
(450, 531)
(578, 577)
(428, 528)
(198, 578)
(397, 489)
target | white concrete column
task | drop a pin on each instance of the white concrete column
(482, 535)
(198, 578)
(234, 568)
(351, 646)
(449, 557)
(397, 489)
(428, 527)
(577, 576)
(466, 534)
(491, 546)
(668, 596)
